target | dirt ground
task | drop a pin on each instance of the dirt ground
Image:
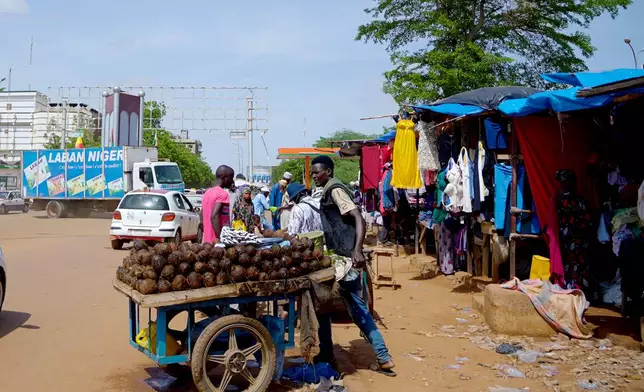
(64, 328)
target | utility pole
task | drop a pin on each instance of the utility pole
(249, 104)
(63, 136)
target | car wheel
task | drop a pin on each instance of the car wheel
(117, 244)
(25, 208)
(177, 237)
(200, 235)
(3, 209)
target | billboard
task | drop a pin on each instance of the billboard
(261, 175)
(79, 173)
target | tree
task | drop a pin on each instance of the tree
(90, 139)
(443, 47)
(346, 170)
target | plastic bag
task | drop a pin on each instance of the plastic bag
(310, 374)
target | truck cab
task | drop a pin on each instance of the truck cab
(157, 175)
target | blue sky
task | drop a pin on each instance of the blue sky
(302, 51)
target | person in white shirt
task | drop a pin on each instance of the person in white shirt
(305, 215)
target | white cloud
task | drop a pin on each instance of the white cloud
(14, 6)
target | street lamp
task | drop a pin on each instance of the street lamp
(627, 41)
(240, 156)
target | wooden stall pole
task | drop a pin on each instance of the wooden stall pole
(307, 171)
(513, 202)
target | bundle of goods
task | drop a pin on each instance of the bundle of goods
(167, 267)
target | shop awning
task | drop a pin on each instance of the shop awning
(303, 152)
(593, 79)
(567, 100)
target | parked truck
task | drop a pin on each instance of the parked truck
(81, 180)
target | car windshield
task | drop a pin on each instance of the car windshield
(4, 195)
(168, 174)
(144, 202)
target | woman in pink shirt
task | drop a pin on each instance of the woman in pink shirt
(216, 204)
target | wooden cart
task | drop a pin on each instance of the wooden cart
(235, 345)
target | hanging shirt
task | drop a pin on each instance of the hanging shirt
(427, 147)
(406, 174)
(465, 166)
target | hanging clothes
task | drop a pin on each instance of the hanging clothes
(495, 134)
(640, 202)
(427, 147)
(445, 248)
(369, 168)
(502, 180)
(406, 174)
(439, 214)
(387, 198)
(465, 166)
(448, 147)
(453, 192)
(480, 161)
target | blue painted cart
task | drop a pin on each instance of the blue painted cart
(233, 346)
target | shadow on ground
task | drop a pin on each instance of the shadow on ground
(10, 321)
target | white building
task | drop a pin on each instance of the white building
(28, 119)
(193, 145)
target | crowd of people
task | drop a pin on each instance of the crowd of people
(293, 208)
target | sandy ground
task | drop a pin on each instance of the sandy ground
(64, 328)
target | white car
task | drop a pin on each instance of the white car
(3, 279)
(155, 216)
(12, 201)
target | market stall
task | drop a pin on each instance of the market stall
(237, 287)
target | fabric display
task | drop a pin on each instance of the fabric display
(495, 134)
(406, 174)
(369, 168)
(233, 237)
(428, 159)
(465, 167)
(503, 178)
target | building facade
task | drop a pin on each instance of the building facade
(191, 144)
(29, 120)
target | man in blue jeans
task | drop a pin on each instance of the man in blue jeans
(344, 232)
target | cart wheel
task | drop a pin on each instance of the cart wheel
(220, 356)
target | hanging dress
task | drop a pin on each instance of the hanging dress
(427, 147)
(406, 174)
(466, 172)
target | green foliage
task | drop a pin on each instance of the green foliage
(443, 47)
(153, 113)
(293, 166)
(346, 170)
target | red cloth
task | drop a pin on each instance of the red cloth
(369, 167)
(385, 155)
(540, 140)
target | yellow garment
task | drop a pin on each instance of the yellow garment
(540, 268)
(406, 174)
(239, 225)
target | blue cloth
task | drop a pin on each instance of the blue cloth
(451, 109)
(260, 205)
(275, 200)
(502, 181)
(350, 291)
(495, 134)
(310, 374)
(593, 79)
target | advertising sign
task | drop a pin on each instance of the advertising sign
(81, 173)
(261, 175)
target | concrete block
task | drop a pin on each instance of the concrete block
(510, 312)
(478, 303)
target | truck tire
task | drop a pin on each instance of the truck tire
(55, 209)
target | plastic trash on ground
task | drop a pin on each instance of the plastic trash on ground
(587, 384)
(310, 374)
(504, 389)
(462, 360)
(453, 367)
(160, 380)
(507, 348)
(511, 371)
(550, 370)
(529, 356)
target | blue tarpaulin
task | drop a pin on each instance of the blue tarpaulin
(386, 137)
(451, 109)
(566, 100)
(593, 79)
